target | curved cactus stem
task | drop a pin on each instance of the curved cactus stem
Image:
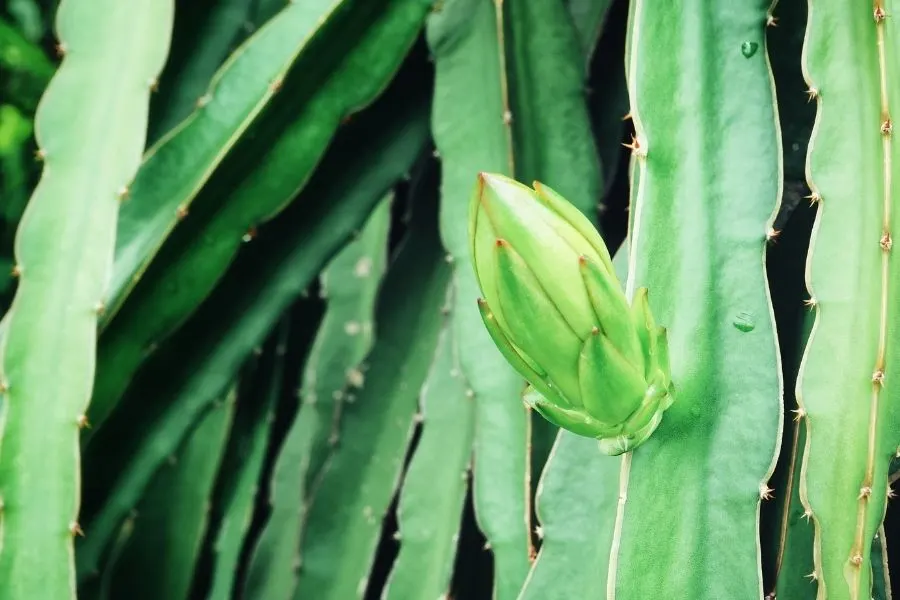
(434, 488)
(345, 516)
(707, 187)
(847, 386)
(332, 377)
(91, 129)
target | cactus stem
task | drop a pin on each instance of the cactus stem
(504, 82)
(859, 542)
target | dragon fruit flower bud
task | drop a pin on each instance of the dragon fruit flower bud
(554, 307)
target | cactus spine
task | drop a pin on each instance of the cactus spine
(91, 129)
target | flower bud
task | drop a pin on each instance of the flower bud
(554, 307)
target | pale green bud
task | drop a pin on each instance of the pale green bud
(555, 308)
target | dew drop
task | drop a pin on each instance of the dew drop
(744, 321)
(748, 49)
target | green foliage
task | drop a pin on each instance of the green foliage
(242, 353)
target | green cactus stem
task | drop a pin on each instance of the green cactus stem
(90, 128)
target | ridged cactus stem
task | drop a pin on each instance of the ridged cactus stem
(90, 128)
(862, 542)
(706, 187)
(846, 385)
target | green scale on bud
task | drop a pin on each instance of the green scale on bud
(554, 307)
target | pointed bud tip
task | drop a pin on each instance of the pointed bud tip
(485, 178)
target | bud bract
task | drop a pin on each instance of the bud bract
(554, 307)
